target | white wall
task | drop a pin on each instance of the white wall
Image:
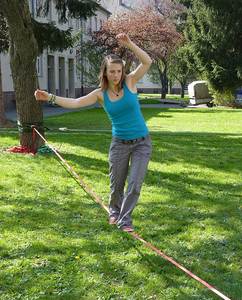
(7, 82)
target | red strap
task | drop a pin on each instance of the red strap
(98, 200)
(33, 139)
(20, 149)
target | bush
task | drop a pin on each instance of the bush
(226, 98)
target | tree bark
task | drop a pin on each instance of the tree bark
(4, 122)
(164, 81)
(170, 83)
(183, 85)
(23, 55)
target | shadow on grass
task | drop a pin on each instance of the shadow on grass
(70, 249)
(63, 255)
(73, 242)
(214, 151)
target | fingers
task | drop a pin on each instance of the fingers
(122, 36)
(40, 95)
(36, 93)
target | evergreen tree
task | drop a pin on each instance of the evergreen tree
(214, 33)
(27, 38)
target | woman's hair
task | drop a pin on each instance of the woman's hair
(113, 59)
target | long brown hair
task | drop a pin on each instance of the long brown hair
(114, 59)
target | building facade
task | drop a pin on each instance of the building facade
(57, 71)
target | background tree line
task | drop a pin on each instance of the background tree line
(200, 39)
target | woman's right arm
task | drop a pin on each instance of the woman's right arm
(87, 100)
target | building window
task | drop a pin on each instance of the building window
(77, 24)
(49, 16)
(38, 6)
(96, 23)
(83, 26)
(78, 60)
(126, 3)
(90, 25)
(39, 65)
(70, 22)
(59, 17)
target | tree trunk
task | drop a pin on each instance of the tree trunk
(170, 86)
(183, 85)
(164, 81)
(23, 55)
(3, 120)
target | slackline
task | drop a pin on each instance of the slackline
(135, 235)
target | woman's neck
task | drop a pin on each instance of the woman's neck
(114, 88)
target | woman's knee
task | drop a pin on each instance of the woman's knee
(134, 188)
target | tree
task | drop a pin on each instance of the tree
(175, 12)
(150, 30)
(88, 59)
(3, 47)
(26, 41)
(214, 33)
(179, 67)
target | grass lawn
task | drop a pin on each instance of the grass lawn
(55, 242)
(155, 98)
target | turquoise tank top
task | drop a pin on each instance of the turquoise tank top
(127, 120)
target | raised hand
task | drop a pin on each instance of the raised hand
(41, 95)
(123, 40)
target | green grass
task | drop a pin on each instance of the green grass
(55, 242)
(155, 98)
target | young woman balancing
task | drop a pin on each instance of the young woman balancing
(131, 143)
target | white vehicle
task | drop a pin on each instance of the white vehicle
(199, 94)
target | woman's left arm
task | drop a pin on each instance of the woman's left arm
(144, 58)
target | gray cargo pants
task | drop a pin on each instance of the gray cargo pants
(121, 154)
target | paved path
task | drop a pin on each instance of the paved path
(47, 111)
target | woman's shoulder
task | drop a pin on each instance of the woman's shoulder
(99, 93)
(129, 83)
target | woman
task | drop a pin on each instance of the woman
(131, 142)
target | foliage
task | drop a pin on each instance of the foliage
(153, 32)
(88, 60)
(169, 8)
(146, 27)
(186, 3)
(179, 68)
(49, 36)
(69, 8)
(214, 32)
(3, 34)
(153, 74)
(226, 98)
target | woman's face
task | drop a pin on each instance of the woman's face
(114, 73)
